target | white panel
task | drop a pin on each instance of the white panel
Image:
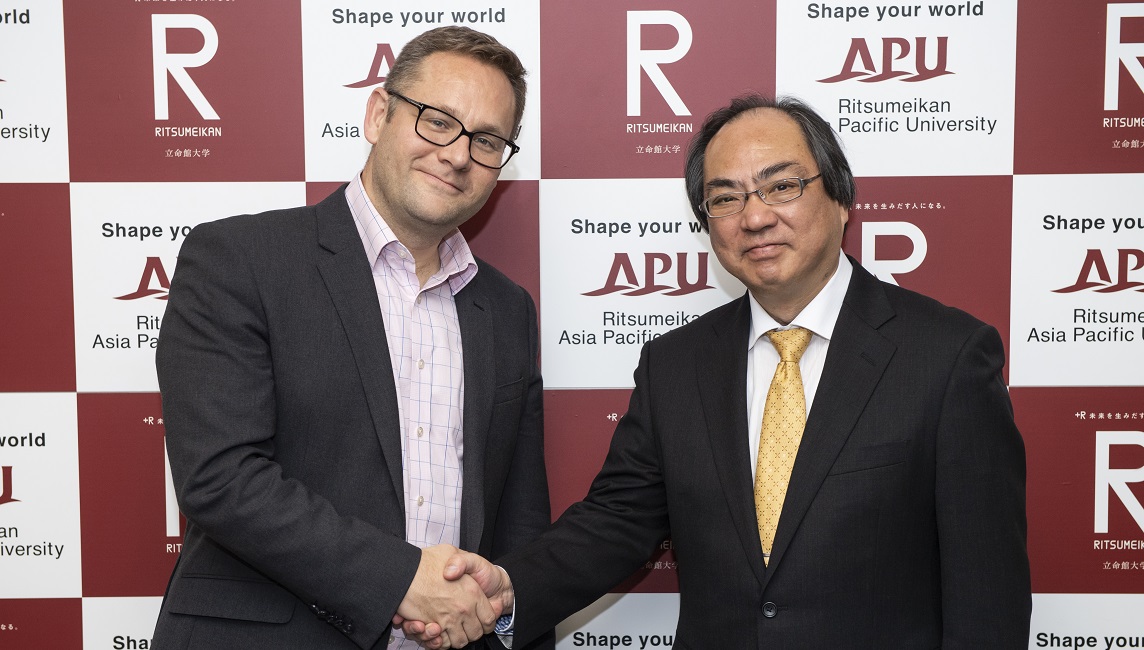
(1105, 621)
(341, 42)
(119, 623)
(33, 94)
(1078, 254)
(896, 119)
(39, 496)
(635, 236)
(125, 240)
(640, 621)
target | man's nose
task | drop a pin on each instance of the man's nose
(756, 214)
(457, 153)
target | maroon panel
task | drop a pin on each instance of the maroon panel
(37, 349)
(1061, 427)
(126, 551)
(239, 61)
(1062, 125)
(587, 131)
(578, 427)
(967, 224)
(41, 623)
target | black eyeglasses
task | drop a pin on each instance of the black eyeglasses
(773, 193)
(438, 127)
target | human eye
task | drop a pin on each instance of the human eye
(725, 199)
(783, 186)
(438, 121)
(488, 142)
(724, 204)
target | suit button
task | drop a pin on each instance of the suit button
(770, 609)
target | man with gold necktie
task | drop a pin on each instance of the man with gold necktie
(833, 457)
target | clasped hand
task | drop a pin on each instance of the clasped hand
(455, 598)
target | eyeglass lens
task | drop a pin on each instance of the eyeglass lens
(440, 128)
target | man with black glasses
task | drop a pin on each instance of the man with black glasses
(350, 395)
(834, 458)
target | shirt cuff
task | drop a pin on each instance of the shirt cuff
(506, 623)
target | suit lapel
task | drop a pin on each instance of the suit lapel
(475, 317)
(857, 357)
(722, 370)
(349, 282)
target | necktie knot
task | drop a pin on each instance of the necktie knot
(790, 343)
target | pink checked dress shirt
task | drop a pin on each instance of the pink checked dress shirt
(425, 348)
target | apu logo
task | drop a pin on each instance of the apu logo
(382, 56)
(649, 60)
(1128, 260)
(1117, 480)
(893, 49)
(152, 271)
(1116, 52)
(885, 269)
(6, 488)
(655, 265)
(165, 62)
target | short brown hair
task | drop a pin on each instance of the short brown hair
(467, 42)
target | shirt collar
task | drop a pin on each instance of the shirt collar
(819, 316)
(458, 265)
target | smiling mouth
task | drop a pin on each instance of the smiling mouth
(442, 181)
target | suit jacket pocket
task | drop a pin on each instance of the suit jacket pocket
(508, 392)
(221, 597)
(864, 457)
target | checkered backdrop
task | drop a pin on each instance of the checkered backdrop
(1000, 154)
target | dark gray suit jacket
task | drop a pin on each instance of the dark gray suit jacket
(904, 523)
(283, 434)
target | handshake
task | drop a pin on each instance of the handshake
(455, 598)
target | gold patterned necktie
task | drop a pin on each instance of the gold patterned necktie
(784, 417)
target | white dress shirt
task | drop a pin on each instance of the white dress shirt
(819, 317)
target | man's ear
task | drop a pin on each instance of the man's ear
(376, 113)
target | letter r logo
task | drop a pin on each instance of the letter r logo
(883, 268)
(650, 60)
(1116, 52)
(177, 64)
(1116, 479)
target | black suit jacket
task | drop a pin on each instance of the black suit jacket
(283, 434)
(904, 522)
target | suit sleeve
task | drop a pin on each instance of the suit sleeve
(217, 384)
(601, 540)
(525, 509)
(980, 495)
